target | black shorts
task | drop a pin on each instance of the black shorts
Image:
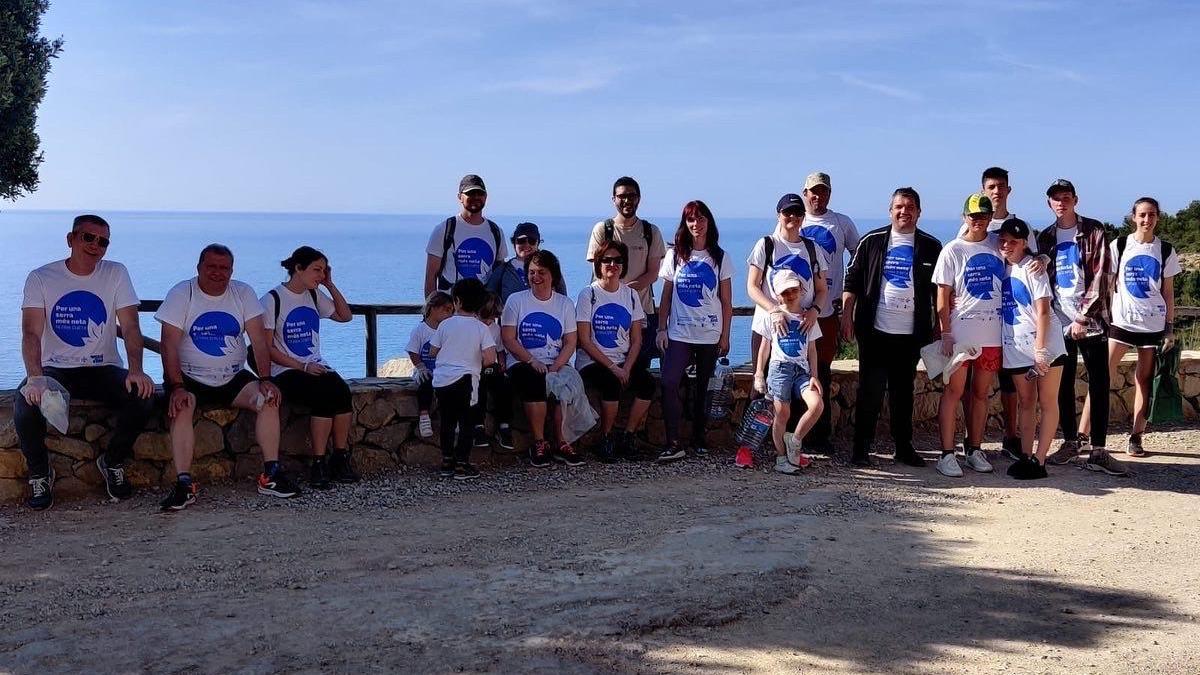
(529, 384)
(222, 395)
(603, 379)
(325, 395)
(1014, 373)
(1007, 386)
(1134, 339)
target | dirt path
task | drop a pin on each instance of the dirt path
(695, 567)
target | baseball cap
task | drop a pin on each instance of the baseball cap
(783, 280)
(789, 201)
(471, 183)
(527, 230)
(977, 203)
(815, 179)
(1060, 185)
(1015, 228)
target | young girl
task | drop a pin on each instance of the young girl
(438, 307)
(694, 318)
(493, 384)
(791, 372)
(610, 319)
(292, 314)
(1143, 308)
(1032, 337)
(461, 347)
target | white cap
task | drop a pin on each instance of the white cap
(783, 280)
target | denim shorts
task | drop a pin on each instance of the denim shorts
(786, 380)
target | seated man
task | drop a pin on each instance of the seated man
(203, 320)
(69, 318)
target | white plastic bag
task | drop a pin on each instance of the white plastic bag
(936, 363)
(56, 400)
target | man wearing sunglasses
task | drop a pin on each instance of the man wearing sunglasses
(69, 317)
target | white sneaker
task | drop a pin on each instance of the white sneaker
(782, 465)
(948, 466)
(425, 426)
(978, 461)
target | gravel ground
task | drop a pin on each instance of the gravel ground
(692, 567)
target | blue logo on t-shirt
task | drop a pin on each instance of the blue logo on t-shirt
(897, 265)
(1014, 293)
(215, 333)
(980, 274)
(822, 236)
(78, 318)
(610, 324)
(1066, 259)
(428, 360)
(473, 259)
(795, 341)
(301, 331)
(1141, 273)
(539, 329)
(695, 282)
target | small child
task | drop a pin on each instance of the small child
(493, 383)
(438, 307)
(793, 363)
(462, 346)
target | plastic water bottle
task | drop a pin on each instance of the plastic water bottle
(1032, 374)
(720, 391)
(756, 424)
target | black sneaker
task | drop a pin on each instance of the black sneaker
(114, 479)
(671, 453)
(341, 468)
(1010, 447)
(318, 475)
(504, 436)
(567, 455)
(447, 470)
(277, 485)
(481, 437)
(627, 447)
(41, 489)
(606, 450)
(1018, 468)
(909, 457)
(180, 497)
(861, 458)
(539, 454)
(465, 471)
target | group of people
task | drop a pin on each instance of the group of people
(1000, 298)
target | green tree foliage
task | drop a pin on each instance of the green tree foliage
(24, 63)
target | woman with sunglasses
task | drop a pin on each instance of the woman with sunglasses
(693, 318)
(511, 275)
(610, 323)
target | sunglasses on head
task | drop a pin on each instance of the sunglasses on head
(612, 260)
(88, 237)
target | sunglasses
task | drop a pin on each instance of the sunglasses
(612, 260)
(88, 237)
(527, 241)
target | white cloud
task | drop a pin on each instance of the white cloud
(889, 90)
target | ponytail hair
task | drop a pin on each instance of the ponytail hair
(301, 258)
(435, 300)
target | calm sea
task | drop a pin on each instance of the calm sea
(375, 258)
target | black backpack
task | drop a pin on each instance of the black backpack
(1165, 250)
(312, 292)
(647, 231)
(451, 223)
(769, 251)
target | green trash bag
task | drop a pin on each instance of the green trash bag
(1166, 400)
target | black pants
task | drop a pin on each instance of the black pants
(888, 363)
(674, 364)
(425, 395)
(105, 384)
(1095, 359)
(454, 406)
(495, 386)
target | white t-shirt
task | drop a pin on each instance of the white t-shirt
(81, 312)
(460, 341)
(897, 299)
(994, 227)
(639, 252)
(974, 271)
(473, 253)
(299, 332)
(834, 234)
(793, 346)
(695, 304)
(212, 350)
(1020, 290)
(1138, 304)
(494, 329)
(418, 343)
(612, 316)
(541, 324)
(1068, 273)
(791, 255)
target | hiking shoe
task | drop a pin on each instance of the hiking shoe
(862, 459)
(318, 474)
(606, 450)
(948, 466)
(425, 426)
(1134, 448)
(181, 496)
(277, 485)
(114, 479)
(447, 470)
(744, 459)
(700, 451)
(567, 455)
(785, 466)
(671, 453)
(1084, 443)
(978, 461)
(504, 436)
(1010, 447)
(539, 454)
(341, 469)
(41, 490)
(1099, 460)
(481, 437)
(627, 448)
(1065, 453)
(465, 471)
(908, 457)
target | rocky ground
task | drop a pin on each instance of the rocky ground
(693, 567)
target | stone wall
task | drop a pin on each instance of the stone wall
(385, 438)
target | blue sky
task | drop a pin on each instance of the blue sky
(377, 106)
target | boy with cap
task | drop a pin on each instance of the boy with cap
(466, 245)
(793, 363)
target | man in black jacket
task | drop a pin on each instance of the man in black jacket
(889, 303)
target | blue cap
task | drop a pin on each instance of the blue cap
(527, 230)
(788, 201)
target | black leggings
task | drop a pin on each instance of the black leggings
(603, 379)
(1095, 359)
(425, 395)
(674, 362)
(497, 387)
(326, 395)
(454, 406)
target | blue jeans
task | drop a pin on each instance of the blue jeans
(786, 380)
